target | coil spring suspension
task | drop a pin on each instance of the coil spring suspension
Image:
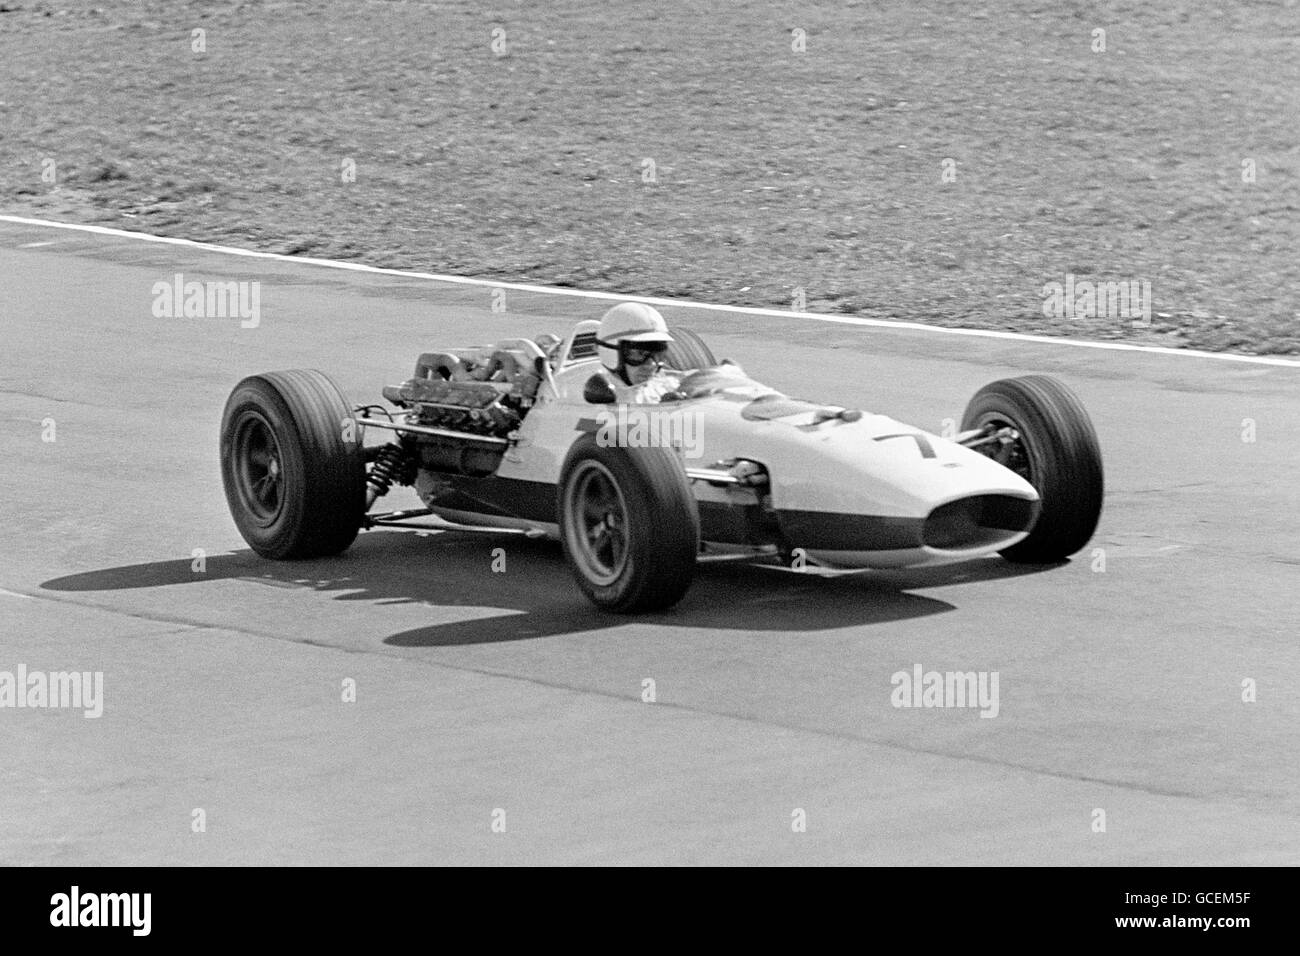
(386, 468)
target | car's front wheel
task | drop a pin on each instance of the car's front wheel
(1054, 447)
(629, 525)
(688, 351)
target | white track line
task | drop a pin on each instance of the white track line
(653, 300)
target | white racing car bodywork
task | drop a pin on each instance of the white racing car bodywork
(851, 493)
(527, 435)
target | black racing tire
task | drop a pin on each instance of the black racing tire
(292, 465)
(629, 525)
(1057, 453)
(687, 351)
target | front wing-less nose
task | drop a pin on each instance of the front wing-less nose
(978, 521)
(967, 527)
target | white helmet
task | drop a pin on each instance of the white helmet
(629, 324)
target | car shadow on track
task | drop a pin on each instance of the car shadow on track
(538, 593)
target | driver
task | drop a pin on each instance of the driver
(631, 343)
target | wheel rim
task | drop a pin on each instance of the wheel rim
(258, 468)
(597, 525)
(1012, 454)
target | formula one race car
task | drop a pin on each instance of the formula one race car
(524, 435)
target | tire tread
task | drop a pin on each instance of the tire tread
(1068, 472)
(326, 516)
(688, 351)
(662, 508)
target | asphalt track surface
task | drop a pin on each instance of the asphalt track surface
(1120, 690)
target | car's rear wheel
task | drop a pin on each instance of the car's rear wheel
(629, 525)
(1055, 449)
(292, 465)
(687, 351)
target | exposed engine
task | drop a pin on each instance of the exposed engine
(479, 408)
(472, 393)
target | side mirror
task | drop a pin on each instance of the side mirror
(598, 391)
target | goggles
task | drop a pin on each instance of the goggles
(640, 354)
